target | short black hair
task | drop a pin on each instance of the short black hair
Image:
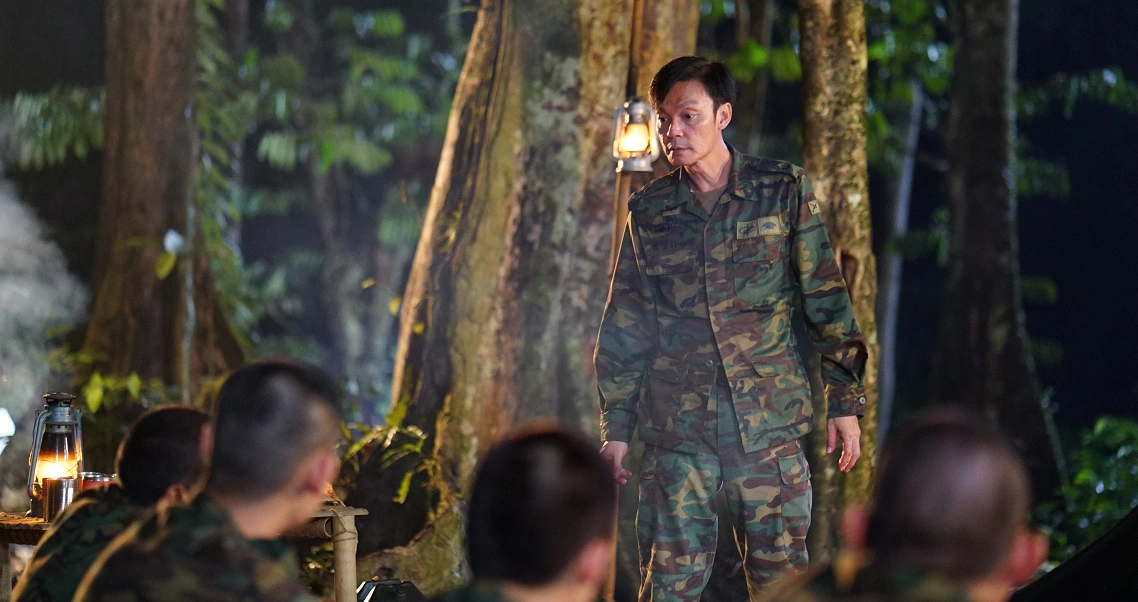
(714, 76)
(160, 450)
(539, 498)
(949, 494)
(271, 416)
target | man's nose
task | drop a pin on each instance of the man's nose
(672, 130)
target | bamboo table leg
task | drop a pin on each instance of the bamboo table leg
(344, 540)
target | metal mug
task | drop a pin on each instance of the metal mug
(94, 480)
(57, 494)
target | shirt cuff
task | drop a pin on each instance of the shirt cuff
(846, 401)
(616, 427)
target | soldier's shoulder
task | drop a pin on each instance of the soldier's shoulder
(759, 167)
(655, 194)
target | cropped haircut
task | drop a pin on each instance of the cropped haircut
(714, 76)
(161, 449)
(539, 499)
(271, 416)
(949, 496)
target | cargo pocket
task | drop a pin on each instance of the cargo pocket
(797, 499)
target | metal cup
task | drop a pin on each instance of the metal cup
(94, 480)
(57, 494)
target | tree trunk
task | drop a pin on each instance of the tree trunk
(983, 360)
(889, 280)
(168, 328)
(754, 21)
(509, 279)
(834, 96)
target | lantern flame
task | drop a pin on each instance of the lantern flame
(635, 139)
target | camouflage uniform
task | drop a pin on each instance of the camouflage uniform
(698, 326)
(63, 556)
(191, 553)
(867, 585)
(475, 592)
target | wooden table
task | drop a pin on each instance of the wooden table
(337, 523)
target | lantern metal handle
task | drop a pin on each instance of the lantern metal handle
(33, 458)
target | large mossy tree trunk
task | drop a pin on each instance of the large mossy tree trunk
(983, 360)
(834, 94)
(170, 328)
(501, 311)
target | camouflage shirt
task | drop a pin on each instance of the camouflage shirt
(694, 293)
(63, 556)
(866, 586)
(191, 553)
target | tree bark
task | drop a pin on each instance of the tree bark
(507, 286)
(172, 328)
(834, 93)
(889, 280)
(983, 360)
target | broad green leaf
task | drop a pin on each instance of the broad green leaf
(165, 264)
(785, 66)
(93, 392)
(134, 385)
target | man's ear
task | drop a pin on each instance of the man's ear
(320, 472)
(723, 116)
(205, 444)
(593, 563)
(1029, 550)
(855, 527)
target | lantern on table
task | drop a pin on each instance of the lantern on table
(57, 445)
(635, 145)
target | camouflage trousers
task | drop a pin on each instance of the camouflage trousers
(768, 503)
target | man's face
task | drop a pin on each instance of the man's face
(690, 127)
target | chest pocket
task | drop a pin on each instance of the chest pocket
(759, 258)
(664, 260)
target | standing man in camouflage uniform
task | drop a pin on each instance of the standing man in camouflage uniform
(696, 347)
(272, 458)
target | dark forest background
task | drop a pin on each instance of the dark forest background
(321, 127)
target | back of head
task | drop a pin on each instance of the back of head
(539, 499)
(950, 494)
(271, 417)
(161, 450)
(714, 76)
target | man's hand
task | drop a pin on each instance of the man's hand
(850, 430)
(613, 452)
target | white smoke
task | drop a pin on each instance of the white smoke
(38, 298)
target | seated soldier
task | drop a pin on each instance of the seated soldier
(948, 523)
(539, 525)
(273, 455)
(159, 459)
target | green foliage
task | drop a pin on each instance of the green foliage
(41, 130)
(1039, 290)
(1103, 489)
(1036, 177)
(1105, 86)
(747, 60)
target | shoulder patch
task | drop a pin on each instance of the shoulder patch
(814, 208)
(642, 200)
(764, 165)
